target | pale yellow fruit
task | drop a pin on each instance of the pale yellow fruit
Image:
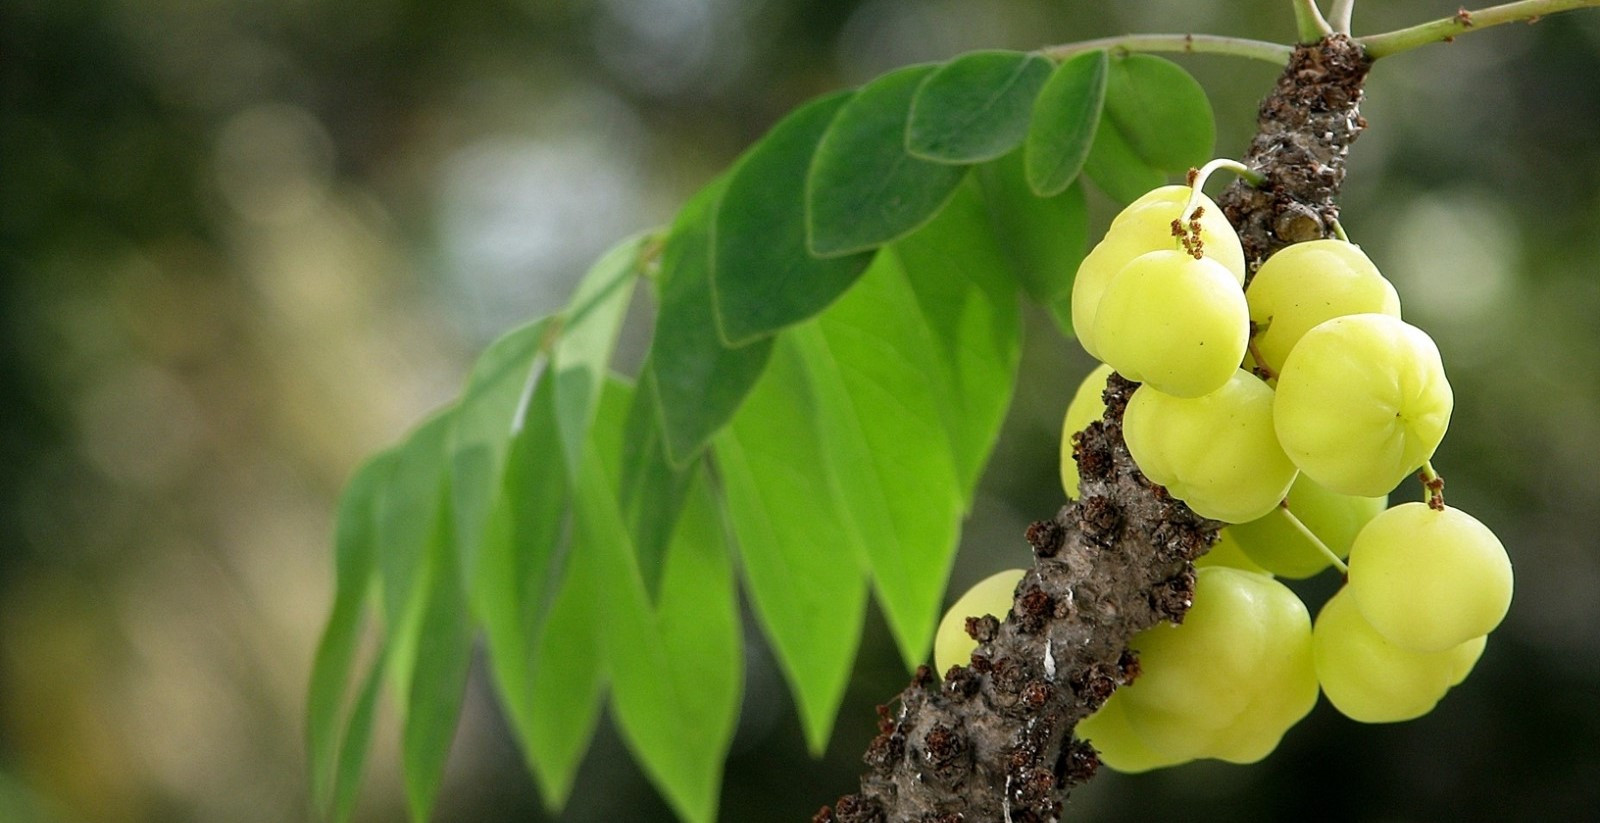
(952, 646)
(1308, 283)
(1087, 406)
(1173, 322)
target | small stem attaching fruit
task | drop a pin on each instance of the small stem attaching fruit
(1315, 540)
(1432, 486)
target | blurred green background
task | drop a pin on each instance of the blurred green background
(243, 244)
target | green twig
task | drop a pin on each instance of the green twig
(1309, 21)
(1275, 53)
(1340, 14)
(1463, 21)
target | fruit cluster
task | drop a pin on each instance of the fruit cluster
(1288, 410)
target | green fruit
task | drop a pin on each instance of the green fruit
(952, 646)
(1086, 407)
(1146, 226)
(1369, 679)
(1119, 746)
(1308, 283)
(1429, 580)
(1173, 322)
(1273, 541)
(1362, 402)
(1229, 680)
(1216, 453)
(1226, 552)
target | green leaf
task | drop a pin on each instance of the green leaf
(675, 669)
(976, 107)
(542, 656)
(864, 190)
(439, 676)
(1161, 112)
(762, 277)
(588, 334)
(871, 364)
(408, 512)
(652, 489)
(966, 296)
(357, 741)
(699, 381)
(563, 697)
(354, 566)
(497, 388)
(1043, 238)
(1117, 169)
(1064, 123)
(803, 565)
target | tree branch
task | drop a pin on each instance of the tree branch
(993, 741)
(1274, 53)
(1463, 21)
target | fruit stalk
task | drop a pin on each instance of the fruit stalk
(993, 741)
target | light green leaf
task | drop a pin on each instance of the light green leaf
(763, 278)
(408, 511)
(871, 366)
(966, 295)
(439, 676)
(1044, 238)
(1065, 117)
(1162, 113)
(675, 669)
(588, 334)
(1117, 169)
(354, 567)
(563, 697)
(542, 655)
(357, 741)
(699, 381)
(864, 190)
(976, 107)
(653, 490)
(803, 565)
(498, 387)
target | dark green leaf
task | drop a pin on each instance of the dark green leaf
(803, 565)
(762, 277)
(864, 190)
(1044, 238)
(439, 676)
(699, 380)
(354, 565)
(499, 385)
(976, 107)
(588, 334)
(1161, 112)
(1065, 117)
(675, 669)
(1117, 169)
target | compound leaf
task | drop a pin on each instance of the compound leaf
(864, 189)
(976, 107)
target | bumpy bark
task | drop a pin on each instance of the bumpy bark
(993, 741)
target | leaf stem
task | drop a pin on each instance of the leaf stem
(1315, 540)
(1340, 14)
(1309, 21)
(1275, 53)
(1463, 21)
